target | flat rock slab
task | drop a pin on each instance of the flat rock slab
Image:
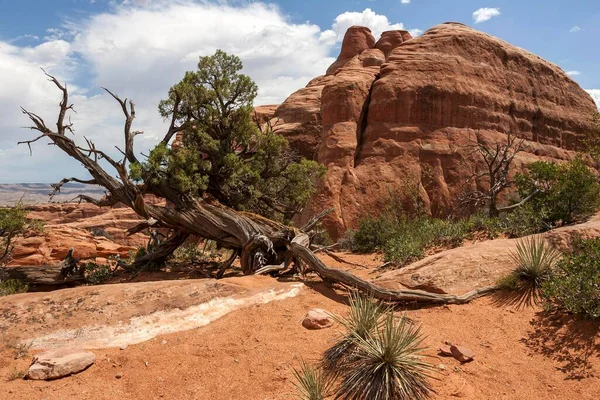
(59, 363)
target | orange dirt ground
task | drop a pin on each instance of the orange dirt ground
(520, 352)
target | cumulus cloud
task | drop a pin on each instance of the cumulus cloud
(485, 14)
(139, 49)
(376, 22)
(595, 93)
(573, 73)
(575, 29)
(405, 1)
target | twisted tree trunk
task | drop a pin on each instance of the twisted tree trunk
(262, 244)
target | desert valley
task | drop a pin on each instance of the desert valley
(420, 221)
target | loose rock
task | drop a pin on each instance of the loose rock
(59, 363)
(462, 354)
(317, 319)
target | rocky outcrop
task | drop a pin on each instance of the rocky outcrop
(93, 232)
(400, 111)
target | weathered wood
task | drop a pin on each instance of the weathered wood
(41, 275)
(259, 241)
(378, 292)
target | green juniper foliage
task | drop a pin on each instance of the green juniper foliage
(224, 155)
(13, 221)
(563, 193)
(574, 285)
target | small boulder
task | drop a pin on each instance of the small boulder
(445, 351)
(462, 354)
(59, 363)
(317, 319)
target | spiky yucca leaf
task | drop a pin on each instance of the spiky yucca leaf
(363, 319)
(534, 260)
(387, 365)
(312, 382)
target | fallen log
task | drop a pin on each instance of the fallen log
(262, 245)
(41, 275)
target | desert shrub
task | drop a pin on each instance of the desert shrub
(191, 253)
(16, 374)
(406, 239)
(373, 233)
(562, 194)
(387, 364)
(364, 317)
(534, 260)
(12, 286)
(97, 274)
(575, 284)
(12, 223)
(312, 382)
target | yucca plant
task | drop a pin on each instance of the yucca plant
(534, 260)
(387, 365)
(363, 319)
(312, 382)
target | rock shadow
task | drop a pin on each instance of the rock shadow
(567, 339)
(526, 296)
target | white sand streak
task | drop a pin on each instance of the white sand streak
(146, 327)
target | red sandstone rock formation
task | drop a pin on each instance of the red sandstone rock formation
(403, 109)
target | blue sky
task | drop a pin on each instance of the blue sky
(139, 48)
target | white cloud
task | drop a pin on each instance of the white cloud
(138, 51)
(405, 1)
(573, 73)
(575, 29)
(376, 22)
(485, 14)
(595, 93)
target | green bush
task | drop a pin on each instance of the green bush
(97, 274)
(12, 286)
(404, 239)
(575, 284)
(562, 193)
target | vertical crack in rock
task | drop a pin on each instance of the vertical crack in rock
(361, 125)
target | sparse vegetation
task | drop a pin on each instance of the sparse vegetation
(12, 286)
(363, 319)
(16, 374)
(312, 382)
(405, 239)
(12, 223)
(192, 253)
(387, 364)
(97, 274)
(378, 357)
(560, 194)
(534, 260)
(575, 284)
